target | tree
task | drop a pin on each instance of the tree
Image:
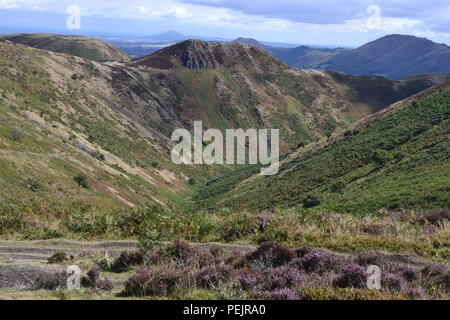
(82, 181)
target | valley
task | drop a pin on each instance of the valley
(85, 168)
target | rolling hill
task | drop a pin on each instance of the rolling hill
(302, 57)
(393, 56)
(84, 47)
(395, 159)
(79, 137)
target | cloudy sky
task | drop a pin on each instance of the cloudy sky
(322, 22)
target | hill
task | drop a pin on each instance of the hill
(230, 85)
(84, 47)
(302, 57)
(81, 139)
(395, 159)
(393, 56)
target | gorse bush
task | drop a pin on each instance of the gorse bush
(82, 181)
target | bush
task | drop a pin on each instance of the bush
(82, 181)
(58, 257)
(381, 157)
(353, 276)
(16, 134)
(92, 281)
(392, 282)
(97, 155)
(311, 201)
(52, 281)
(338, 187)
(154, 282)
(270, 254)
(183, 253)
(126, 260)
(213, 277)
(32, 185)
(318, 261)
(281, 277)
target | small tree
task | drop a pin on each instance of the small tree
(82, 181)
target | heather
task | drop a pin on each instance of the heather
(276, 272)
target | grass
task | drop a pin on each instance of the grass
(416, 176)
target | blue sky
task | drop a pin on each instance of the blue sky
(326, 22)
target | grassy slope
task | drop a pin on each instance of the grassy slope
(54, 127)
(88, 48)
(417, 176)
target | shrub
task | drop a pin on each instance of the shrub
(282, 294)
(411, 274)
(213, 277)
(392, 282)
(92, 281)
(82, 181)
(318, 261)
(58, 257)
(338, 187)
(381, 157)
(16, 134)
(270, 254)
(281, 277)
(434, 218)
(353, 276)
(32, 185)
(183, 253)
(52, 281)
(155, 282)
(97, 155)
(248, 280)
(126, 260)
(311, 201)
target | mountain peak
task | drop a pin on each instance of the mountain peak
(251, 42)
(196, 54)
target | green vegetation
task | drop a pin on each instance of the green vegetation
(400, 161)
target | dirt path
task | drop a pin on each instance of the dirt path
(36, 253)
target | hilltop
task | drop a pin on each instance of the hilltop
(393, 56)
(84, 47)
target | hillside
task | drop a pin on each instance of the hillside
(393, 56)
(84, 47)
(396, 159)
(83, 139)
(237, 85)
(302, 57)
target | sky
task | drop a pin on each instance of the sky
(349, 23)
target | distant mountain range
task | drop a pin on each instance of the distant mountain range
(393, 56)
(302, 57)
